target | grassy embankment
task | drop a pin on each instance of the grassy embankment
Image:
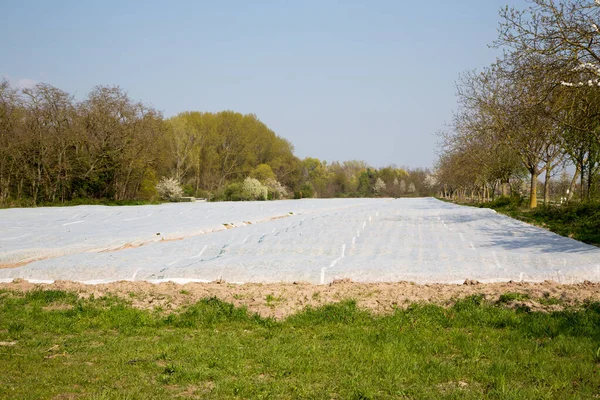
(580, 221)
(77, 202)
(54, 345)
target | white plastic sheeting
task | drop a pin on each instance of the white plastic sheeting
(35, 234)
(366, 240)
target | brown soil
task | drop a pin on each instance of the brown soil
(123, 247)
(281, 300)
(14, 265)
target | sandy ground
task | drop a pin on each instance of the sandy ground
(281, 300)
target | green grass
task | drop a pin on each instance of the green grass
(77, 202)
(508, 297)
(104, 349)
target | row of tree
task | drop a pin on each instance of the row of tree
(534, 112)
(55, 149)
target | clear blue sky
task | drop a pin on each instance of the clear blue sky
(370, 80)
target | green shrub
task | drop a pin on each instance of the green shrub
(306, 192)
(188, 190)
(512, 202)
(234, 192)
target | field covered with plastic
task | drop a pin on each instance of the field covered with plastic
(316, 241)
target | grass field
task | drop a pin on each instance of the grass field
(55, 345)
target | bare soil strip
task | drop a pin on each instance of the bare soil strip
(17, 264)
(281, 300)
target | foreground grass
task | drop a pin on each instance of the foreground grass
(54, 345)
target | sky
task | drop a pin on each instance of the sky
(342, 80)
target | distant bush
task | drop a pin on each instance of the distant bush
(188, 190)
(250, 189)
(402, 187)
(276, 190)
(254, 190)
(306, 191)
(512, 202)
(203, 194)
(233, 192)
(169, 189)
(379, 186)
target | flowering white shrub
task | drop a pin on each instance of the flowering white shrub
(402, 187)
(412, 188)
(254, 190)
(431, 180)
(277, 190)
(379, 186)
(169, 189)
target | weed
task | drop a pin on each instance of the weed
(271, 299)
(548, 300)
(508, 297)
(15, 329)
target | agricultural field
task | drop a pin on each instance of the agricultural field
(356, 298)
(314, 241)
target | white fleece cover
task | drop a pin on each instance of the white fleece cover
(367, 240)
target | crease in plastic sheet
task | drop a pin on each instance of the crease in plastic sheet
(318, 241)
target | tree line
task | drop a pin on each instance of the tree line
(55, 149)
(534, 113)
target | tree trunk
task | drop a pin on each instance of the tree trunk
(573, 183)
(505, 188)
(533, 190)
(590, 178)
(582, 172)
(547, 187)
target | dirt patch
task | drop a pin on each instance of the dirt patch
(123, 247)
(176, 239)
(283, 299)
(15, 265)
(276, 217)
